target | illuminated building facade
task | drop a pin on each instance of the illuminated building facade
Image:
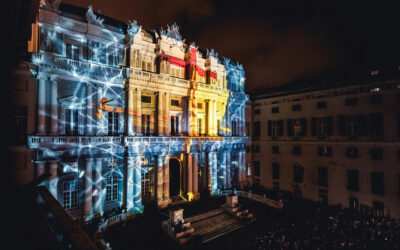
(336, 145)
(122, 117)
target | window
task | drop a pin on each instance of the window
(378, 208)
(71, 122)
(257, 111)
(375, 99)
(353, 203)
(72, 51)
(19, 124)
(352, 152)
(146, 99)
(296, 150)
(275, 128)
(297, 127)
(376, 124)
(323, 196)
(275, 110)
(298, 172)
(321, 105)
(377, 183)
(113, 123)
(322, 126)
(257, 168)
(296, 107)
(257, 129)
(352, 125)
(324, 151)
(275, 186)
(112, 188)
(376, 154)
(199, 105)
(146, 125)
(175, 102)
(352, 180)
(97, 52)
(351, 101)
(256, 148)
(174, 125)
(70, 194)
(275, 149)
(323, 176)
(275, 171)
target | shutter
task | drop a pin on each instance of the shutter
(303, 123)
(269, 128)
(342, 125)
(330, 125)
(290, 127)
(362, 122)
(280, 124)
(314, 126)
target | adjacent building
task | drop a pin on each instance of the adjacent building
(122, 117)
(336, 145)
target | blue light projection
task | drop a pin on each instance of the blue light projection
(100, 165)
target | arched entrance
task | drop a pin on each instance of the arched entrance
(174, 177)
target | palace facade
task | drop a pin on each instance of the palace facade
(333, 144)
(122, 117)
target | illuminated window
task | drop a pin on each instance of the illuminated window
(72, 51)
(112, 188)
(70, 194)
(174, 125)
(297, 127)
(113, 123)
(71, 122)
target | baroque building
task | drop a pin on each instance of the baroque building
(332, 144)
(122, 117)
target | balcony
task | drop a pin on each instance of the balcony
(159, 78)
(77, 68)
(35, 141)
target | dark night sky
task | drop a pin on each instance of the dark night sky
(276, 41)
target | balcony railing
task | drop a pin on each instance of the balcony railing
(79, 68)
(49, 141)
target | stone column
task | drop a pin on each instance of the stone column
(87, 203)
(130, 110)
(54, 108)
(195, 174)
(214, 180)
(41, 122)
(228, 169)
(209, 118)
(223, 170)
(138, 112)
(137, 178)
(53, 180)
(189, 175)
(166, 114)
(214, 113)
(98, 198)
(160, 114)
(160, 177)
(89, 109)
(166, 179)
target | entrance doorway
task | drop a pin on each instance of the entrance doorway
(174, 177)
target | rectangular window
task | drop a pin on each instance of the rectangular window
(321, 105)
(352, 125)
(298, 172)
(376, 124)
(113, 123)
(275, 186)
(19, 124)
(275, 110)
(352, 180)
(257, 129)
(377, 183)
(275, 149)
(72, 51)
(275, 171)
(175, 102)
(257, 111)
(296, 150)
(70, 194)
(199, 105)
(174, 125)
(256, 148)
(112, 188)
(146, 125)
(323, 196)
(296, 107)
(322, 126)
(377, 154)
(351, 101)
(297, 127)
(71, 122)
(275, 128)
(146, 99)
(324, 151)
(352, 152)
(375, 99)
(257, 168)
(323, 176)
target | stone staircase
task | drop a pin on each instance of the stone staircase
(213, 224)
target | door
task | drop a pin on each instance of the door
(174, 177)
